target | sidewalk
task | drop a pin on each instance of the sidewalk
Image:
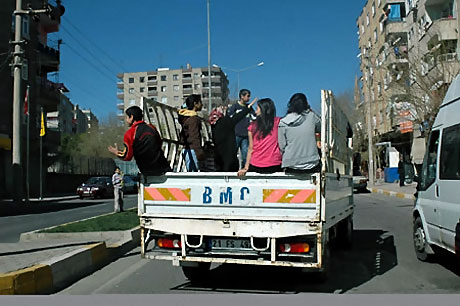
(45, 263)
(9, 208)
(393, 189)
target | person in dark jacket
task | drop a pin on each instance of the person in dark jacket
(241, 128)
(143, 142)
(401, 171)
(193, 151)
(223, 134)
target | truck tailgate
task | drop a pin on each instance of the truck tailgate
(221, 195)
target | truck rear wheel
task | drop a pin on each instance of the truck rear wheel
(345, 236)
(198, 273)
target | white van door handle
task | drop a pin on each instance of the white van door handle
(436, 190)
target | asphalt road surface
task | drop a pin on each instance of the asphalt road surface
(57, 213)
(382, 260)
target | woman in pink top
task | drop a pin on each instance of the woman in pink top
(264, 154)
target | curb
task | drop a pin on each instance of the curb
(400, 195)
(59, 272)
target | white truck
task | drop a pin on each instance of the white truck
(200, 218)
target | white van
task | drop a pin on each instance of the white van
(437, 206)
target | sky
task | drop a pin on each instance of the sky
(306, 45)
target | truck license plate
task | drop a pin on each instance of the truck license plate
(230, 244)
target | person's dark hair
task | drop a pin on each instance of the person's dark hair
(244, 92)
(298, 104)
(192, 100)
(116, 169)
(266, 119)
(135, 111)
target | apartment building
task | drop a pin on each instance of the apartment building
(93, 122)
(408, 56)
(40, 58)
(171, 86)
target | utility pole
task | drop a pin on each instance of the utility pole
(369, 120)
(17, 94)
(209, 60)
(18, 192)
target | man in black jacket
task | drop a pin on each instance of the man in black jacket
(223, 133)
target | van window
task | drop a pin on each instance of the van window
(429, 162)
(450, 154)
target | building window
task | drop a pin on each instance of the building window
(375, 35)
(450, 154)
(142, 89)
(196, 75)
(379, 2)
(152, 78)
(141, 79)
(176, 87)
(373, 9)
(176, 98)
(381, 26)
(175, 77)
(197, 86)
(164, 99)
(131, 90)
(362, 28)
(163, 78)
(367, 19)
(163, 88)
(131, 80)
(132, 101)
(379, 89)
(152, 88)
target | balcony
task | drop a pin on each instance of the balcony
(151, 93)
(120, 95)
(187, 80)
(49, 58)
(188, 91)
(121, 106)
(120, 85)
(444, 29)
(152, 82)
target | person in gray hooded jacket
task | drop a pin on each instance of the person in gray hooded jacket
(297, 137)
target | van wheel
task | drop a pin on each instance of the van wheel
(197, 274)
(420, 242)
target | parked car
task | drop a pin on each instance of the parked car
(96, 187)
(130, 185)
(359, 181)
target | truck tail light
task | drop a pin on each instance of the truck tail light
(298, 247)
(168, 243)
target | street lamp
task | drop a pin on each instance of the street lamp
(240, 70)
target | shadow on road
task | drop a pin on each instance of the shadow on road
(358, 191)
(39, 208)
(373, 254)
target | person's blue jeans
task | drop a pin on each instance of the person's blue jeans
(191, 162)
(242, 143)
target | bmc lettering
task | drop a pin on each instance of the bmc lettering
(225, 196)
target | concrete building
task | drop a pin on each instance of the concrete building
(61, 120)
(39, 59)
(93, 122)
(79, 121)
(171, 87)
(408, 58)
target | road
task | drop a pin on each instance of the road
(68, 211)
(382, 261)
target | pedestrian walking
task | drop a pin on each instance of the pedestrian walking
(401, 170)
(117, 182)
(241, 128)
